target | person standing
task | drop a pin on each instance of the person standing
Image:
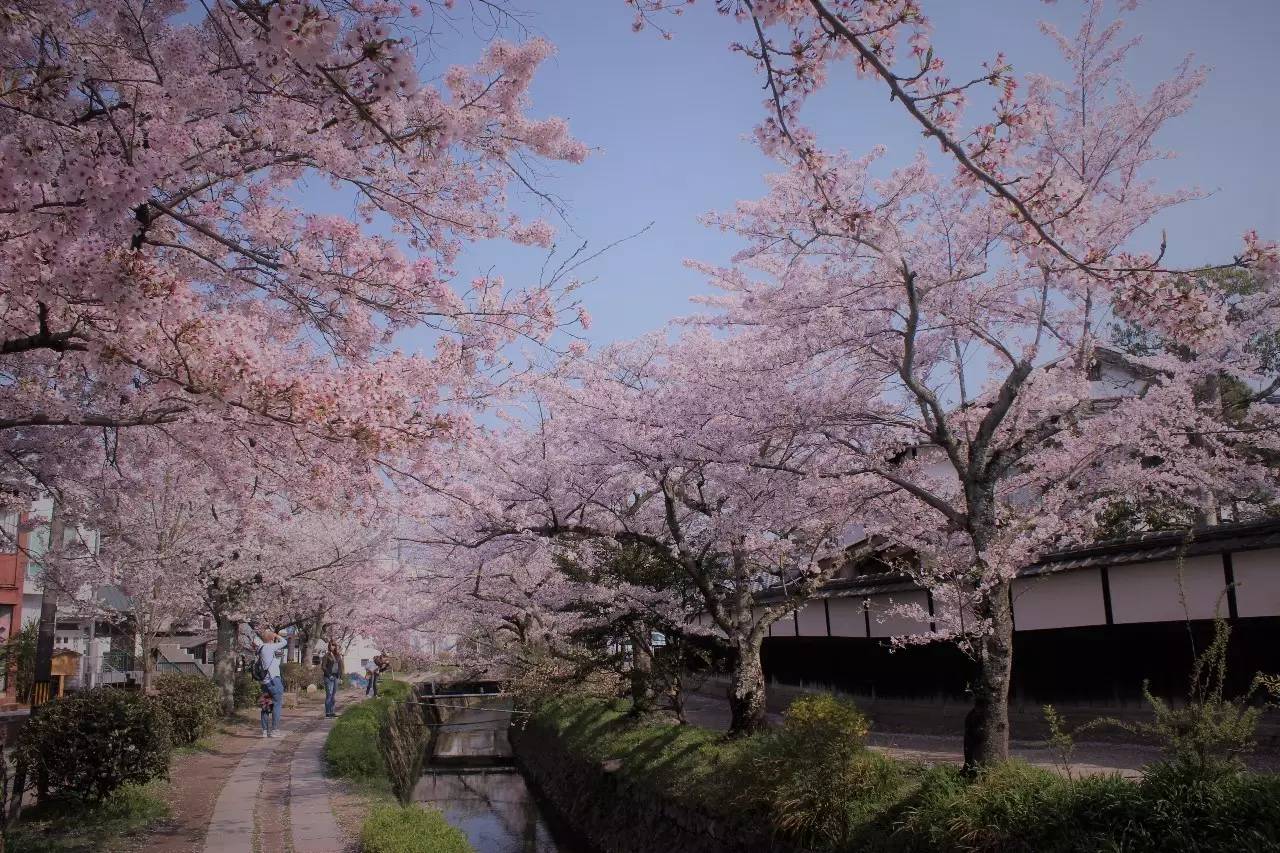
(371, 679)
(269, 646)
(331, 668)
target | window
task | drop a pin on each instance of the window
(8, 532)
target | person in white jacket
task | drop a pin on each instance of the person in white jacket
(270, 645)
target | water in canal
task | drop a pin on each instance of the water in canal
(493, 807)
(471, 781)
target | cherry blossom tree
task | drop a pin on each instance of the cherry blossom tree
(977, 299)
(666, 447)
(159, 265)
(183, 539)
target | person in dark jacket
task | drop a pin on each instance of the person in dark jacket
(331, 669)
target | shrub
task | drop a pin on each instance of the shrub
(89, 744)
(191, 702)
(817, 786)
(297, 676)
(1182, 809)
(412, 829)
(1208, 734)
(247, 690)
(18, 657)
(814, 777)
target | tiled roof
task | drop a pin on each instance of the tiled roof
(1148, 547)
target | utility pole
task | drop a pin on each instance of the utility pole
(42, 681)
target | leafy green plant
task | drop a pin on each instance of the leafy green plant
(1061, 741)
(411, 829)
(1208, 735)
(191, 703)
(351, 749)
(247, 691)
(18, 659)
(814, 776)
(89, 744)
(402, 742)
(297, 676)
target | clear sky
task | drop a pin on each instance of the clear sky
(669, 121)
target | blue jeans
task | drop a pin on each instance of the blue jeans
(330, 694)
(275, 687)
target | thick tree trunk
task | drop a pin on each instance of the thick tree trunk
(986, 728)
(746, 690)
(224, 673)
(641, 674)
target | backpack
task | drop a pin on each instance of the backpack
(259, 671)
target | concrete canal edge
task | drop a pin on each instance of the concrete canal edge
(610, 814)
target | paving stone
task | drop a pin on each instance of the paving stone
(231, 827)
(310, 816)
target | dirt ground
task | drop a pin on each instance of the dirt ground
(195, 780)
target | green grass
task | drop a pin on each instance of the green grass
(351, 750)
(393, 829)
(818, 787)
(205, 744)
(680, 760)
(59, 826)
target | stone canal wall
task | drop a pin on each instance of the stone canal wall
(611, 814)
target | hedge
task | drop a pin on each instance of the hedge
(396, 829)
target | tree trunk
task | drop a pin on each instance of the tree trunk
(986, 727)
(224, 674)
(148, 667)
(641, 674)
(746, 689)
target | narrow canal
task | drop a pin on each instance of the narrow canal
(471, 776)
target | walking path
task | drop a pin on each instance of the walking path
(275, 797)
(310, 815)
(232, 824)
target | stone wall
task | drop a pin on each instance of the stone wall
(612, 814)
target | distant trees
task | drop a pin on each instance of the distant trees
(197, 356)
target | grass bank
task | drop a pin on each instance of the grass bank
(351, 749)
(116, 824)
(351, 753)
(814, 785)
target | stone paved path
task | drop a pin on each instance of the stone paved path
(310, 815)
(231, 827)
(312, 828)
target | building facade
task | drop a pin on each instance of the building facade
(1091, 624)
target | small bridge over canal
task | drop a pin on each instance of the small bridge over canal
(469, 724)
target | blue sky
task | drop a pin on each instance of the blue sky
(669, 121)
